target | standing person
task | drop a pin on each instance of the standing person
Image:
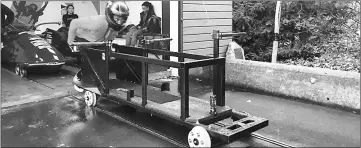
(69, 16)
(99, 28)
(134, 32)
(7, 17)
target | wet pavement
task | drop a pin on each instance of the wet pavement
(294, 123)
(65, 122)
(14, 87)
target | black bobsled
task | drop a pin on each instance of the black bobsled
(27, 51)
(58, 39)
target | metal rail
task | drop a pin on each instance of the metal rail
(88, 43)
(36, 26)
(157, 40)
(275, 142)
(163, 137)
(232, 34)
(175, 142)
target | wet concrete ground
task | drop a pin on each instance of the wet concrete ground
(65, 122)
(15, 88)
(10, 81)
(292, 122)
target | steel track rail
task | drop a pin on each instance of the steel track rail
(31, 79)
(163, 137)
(175, 142)
(275, 142)
(35, 81)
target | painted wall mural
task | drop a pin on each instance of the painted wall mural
(29, 13)
(29, 10)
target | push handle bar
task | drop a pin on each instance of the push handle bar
(232, 34)
(88, 43)
(36, 26)
(157, 40)
(217, 35)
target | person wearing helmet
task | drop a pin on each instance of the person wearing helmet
(94, 28)
(99, 28)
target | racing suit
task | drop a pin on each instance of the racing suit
(90, 29)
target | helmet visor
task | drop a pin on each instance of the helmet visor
(120, 20)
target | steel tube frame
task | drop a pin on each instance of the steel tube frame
(170, 53)
(88, 43)
(219, 69)
(231, 34)
(156, 40)
(183, 69)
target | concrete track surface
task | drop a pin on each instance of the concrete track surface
(65, 121)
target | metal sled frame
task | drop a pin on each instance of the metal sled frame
(242, 122)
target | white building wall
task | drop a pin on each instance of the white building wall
(174, 24)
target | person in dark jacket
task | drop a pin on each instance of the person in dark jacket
(134, 32)
(7, 18)
(69, 16)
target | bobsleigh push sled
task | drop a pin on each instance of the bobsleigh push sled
(26, 51)
(207, 121)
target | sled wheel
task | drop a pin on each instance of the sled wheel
(22, 72)
(90, 98)
(78, 89)
(17, 70)
(199, 137)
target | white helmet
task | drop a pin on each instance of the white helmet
(118, 8)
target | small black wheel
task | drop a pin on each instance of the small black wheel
(21, 71)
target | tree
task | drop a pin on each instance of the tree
(308, 29)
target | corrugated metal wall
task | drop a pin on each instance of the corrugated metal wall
(200, 18)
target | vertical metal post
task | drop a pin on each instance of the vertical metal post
(166, 24)
(221, 97)
(180, 32)
(145, 78)
(108, 48)
(215, 76)
(215, 37)
(180, 27)
(184, 92)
